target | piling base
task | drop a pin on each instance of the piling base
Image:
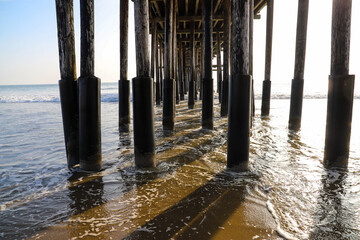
(239, 121)
(169, 104)
(252, 98)
(265, 105)
(177, 92)
(158, 94)
(89, 123)
(191, 95)
(181, 84)
(195, 92)
(338, 122)
(124, 105)
(70, 114)
(207, 104)
(143, 121)
(224, 96)
(297, 86)
(220, 91)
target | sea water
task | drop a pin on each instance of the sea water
(286, 175)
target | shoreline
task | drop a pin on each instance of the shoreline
(181, 198)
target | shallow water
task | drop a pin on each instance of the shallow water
(287, 192)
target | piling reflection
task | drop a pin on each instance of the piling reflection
(87, 194)
(295, 145)
(124, 139)
(334, 218)
(200, 213)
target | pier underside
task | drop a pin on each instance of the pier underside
(191, 10)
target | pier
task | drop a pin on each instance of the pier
(180, 119)
(176, 42)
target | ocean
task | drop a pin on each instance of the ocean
(287, 193)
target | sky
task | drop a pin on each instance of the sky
(29, 46)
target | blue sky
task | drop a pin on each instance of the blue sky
(29, 50)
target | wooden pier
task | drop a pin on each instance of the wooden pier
(185, 37)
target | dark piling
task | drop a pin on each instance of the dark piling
(169, 82)
(68, 84)
(240, 89)
(175, 55)
(181, 72)
(251, 53)
(89, 94)
(265, 105)
(297, 84)
(124, 83)
(143, 104)
(226, 55)
(207, 97)
(341, 89)
(158, 79)
(219, 72)
(191, 82)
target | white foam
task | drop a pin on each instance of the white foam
(282, 233)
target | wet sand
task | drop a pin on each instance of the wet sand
(190, 195)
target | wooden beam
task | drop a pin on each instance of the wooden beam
(156, 5)
(217, 6)
(190, 18)
(196, 7)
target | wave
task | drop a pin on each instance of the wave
(107, 97)
(113, 97)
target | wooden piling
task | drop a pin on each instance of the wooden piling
(240, 89)
(158, 79)
(251, 57)
(201, 69)
(175, 54)
(191, 94)
(265, 105)
(169, 82)
(89, 94)
(68, 84)
(219, 72)
(226, 55)
(143, 104)
(207, 97)
(341, 88)
(124, 83)
(181, 71)
(196, 79)
(153, 54)
(153, 49)
(297, 84)
(161, 70)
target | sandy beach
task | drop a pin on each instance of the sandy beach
(180, 199)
